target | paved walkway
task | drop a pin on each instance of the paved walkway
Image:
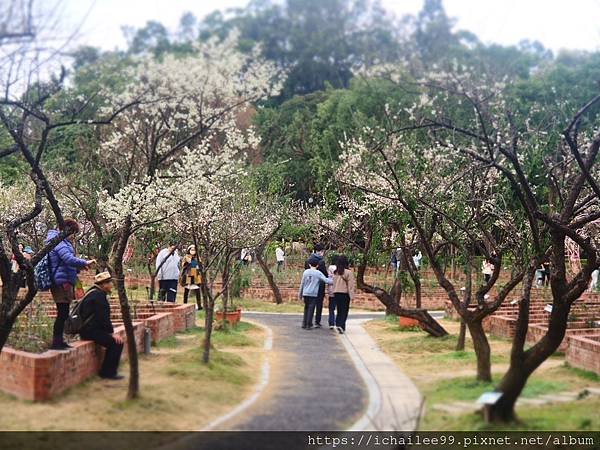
(313, 384)
(396, 403)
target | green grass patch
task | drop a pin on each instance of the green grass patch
(576, 416)
(469, 389)
(581, 373)
(248, 304)
(169, 342)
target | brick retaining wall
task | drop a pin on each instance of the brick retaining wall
(583, 352)
(36, 377)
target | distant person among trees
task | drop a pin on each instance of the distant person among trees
(245, 256)
(317, 254)
(280, 257)
(167, 266)
(546, 274)
(417, 257)
(27, 252)
(97, 327)
(191, 276)
(64, 266)
(487, 269)
(344, 288)
(594, 283)
(312, 279)
(331, 294)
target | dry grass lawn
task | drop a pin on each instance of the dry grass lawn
(444, 375)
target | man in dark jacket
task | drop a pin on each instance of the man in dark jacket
(318, 255)
(95, 311)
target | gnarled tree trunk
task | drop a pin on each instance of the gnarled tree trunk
(119, 275)
(428, 323)
(269, 275)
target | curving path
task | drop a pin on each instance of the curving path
(313, 383)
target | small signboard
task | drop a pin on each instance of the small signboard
(548, 308)
(489, 398)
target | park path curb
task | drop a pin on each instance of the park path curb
(395, 403)
(258, 389)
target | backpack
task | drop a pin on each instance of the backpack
(75, 322)
(42, 274)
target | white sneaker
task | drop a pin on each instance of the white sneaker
(331, 327)
(340, 330)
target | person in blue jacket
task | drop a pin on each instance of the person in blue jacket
(64, 266)
(312, 279)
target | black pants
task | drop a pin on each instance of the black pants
(331, 320)
(62, 314)
(319, 309)
(279, 266)
(167, 290)
(112, 356)
(186, 294)
(342, 302)
(309, 311)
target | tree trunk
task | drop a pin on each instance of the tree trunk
(428, 323)
(462, 334)
(482, 350)
(524, 363)
(6, 325)
(119, 275)
(269, 275)
(209, 306)
(395, 294)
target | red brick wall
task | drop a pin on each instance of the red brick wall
(161, 325)
(584, 352)
(36, 377)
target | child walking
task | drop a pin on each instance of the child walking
(309, 290)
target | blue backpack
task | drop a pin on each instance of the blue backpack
(43, 274)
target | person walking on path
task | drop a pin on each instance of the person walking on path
(97, 327)
(191, 275)
(331, 294)
(64, 266)
(312, 278)
(344, 289)
(280, 257)
(318, 255)
(167, 266)
(487, 269)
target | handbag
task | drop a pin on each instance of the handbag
(79, 291)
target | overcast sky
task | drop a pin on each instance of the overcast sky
(571, 24)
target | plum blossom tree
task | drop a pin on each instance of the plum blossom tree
(545, 160)
(221, 212)
(187, 113)
(447, 200)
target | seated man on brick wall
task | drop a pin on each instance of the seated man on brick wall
(97, 327)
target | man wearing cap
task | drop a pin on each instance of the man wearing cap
(95, 311)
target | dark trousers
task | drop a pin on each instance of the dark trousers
(62, 314)
(319, 309)
(279, 266)
(342, 302)
(167, 290)
(309, 311)
(186, 294)
(112, 356)
(331, 320)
